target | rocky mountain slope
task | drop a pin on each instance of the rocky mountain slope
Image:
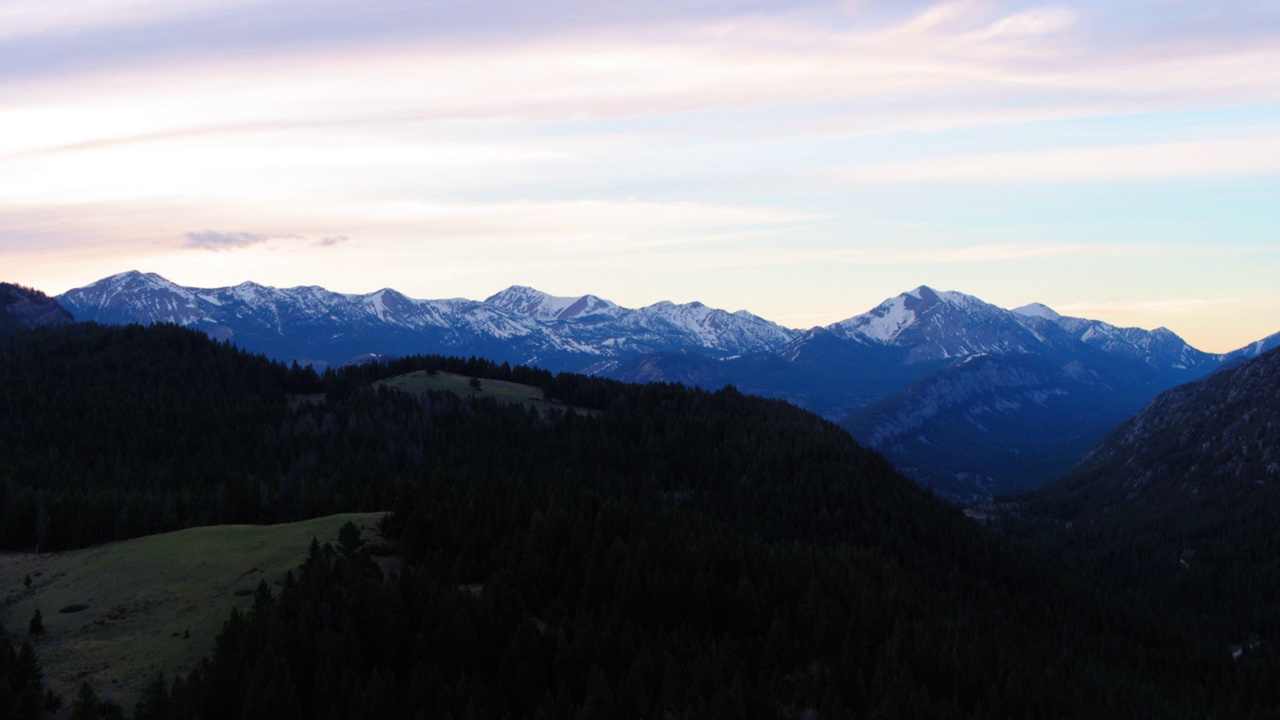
(1219, 435)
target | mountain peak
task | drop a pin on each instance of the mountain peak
(928, 295)
(135, 277)
(530, 302)
(934, 325)
(885, 322)
(1037, 310)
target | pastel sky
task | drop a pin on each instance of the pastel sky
(803, 160)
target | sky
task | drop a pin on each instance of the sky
(802, 160)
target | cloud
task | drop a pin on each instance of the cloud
(218, 241)
(70, 17)
(1032, 23)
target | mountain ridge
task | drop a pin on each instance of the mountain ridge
(23, 308)
(911, 319)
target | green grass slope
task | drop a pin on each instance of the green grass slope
(509, 393)
(153, 604)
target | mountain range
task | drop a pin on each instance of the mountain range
(967, 397)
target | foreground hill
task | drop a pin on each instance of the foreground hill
(1179, 504)
(671, 552)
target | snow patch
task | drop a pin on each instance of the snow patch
(886, 321)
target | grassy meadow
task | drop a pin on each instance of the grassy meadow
(151, 605)
(500, 390)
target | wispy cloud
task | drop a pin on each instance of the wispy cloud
(953, 57)
(20, 18)
(218, 241)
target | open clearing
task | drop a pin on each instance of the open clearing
(505, 392)
(153, 605)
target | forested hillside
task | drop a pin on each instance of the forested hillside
(670, 552)
(22, 308)
(1179, 507)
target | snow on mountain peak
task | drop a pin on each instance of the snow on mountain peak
(1037, 310)
(532, 303)
(927, 324)
(134, 278)
(929, 295)
(885, 322)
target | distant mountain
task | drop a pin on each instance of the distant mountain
(899, 375)
(933, 325)
(1160, 348)
(1221, 434)
(995, 424)
(22, 308)
(1180, 502)
(1031, 391)
(1253, 350)
(519, 325)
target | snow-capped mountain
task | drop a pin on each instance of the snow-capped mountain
(519, 324)
(1159, 348)
(934, 325)
(1253, 350)
(664, 325)
(1006, 399)
(528, 302)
